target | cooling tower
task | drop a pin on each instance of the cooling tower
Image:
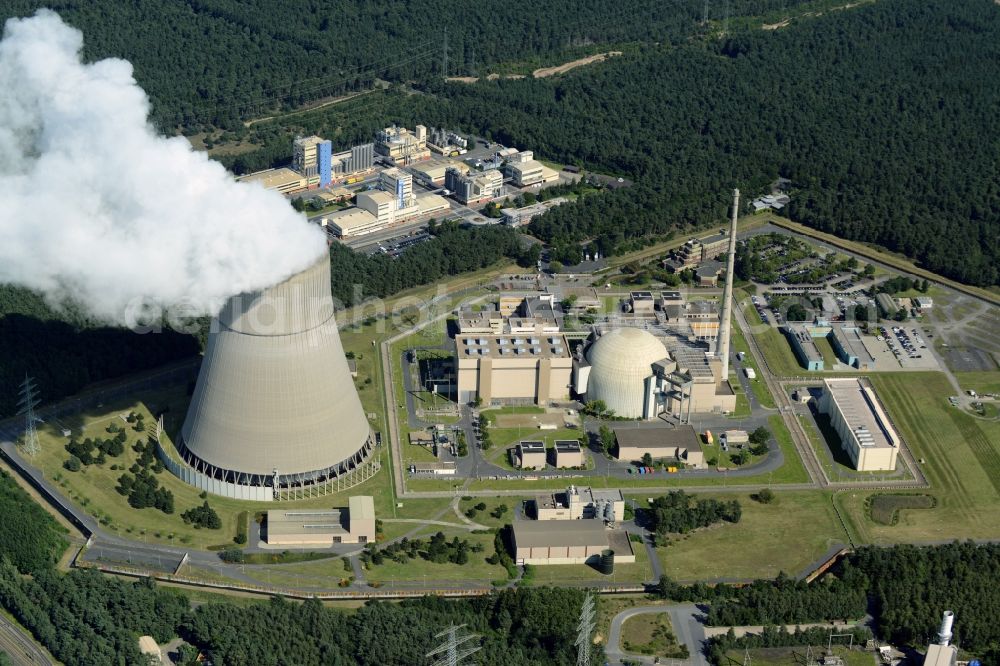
(275, 411)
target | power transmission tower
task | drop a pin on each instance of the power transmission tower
(584, 631)
(746, 657)
(452, 652)
(26, 406)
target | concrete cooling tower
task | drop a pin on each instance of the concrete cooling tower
(275, 413)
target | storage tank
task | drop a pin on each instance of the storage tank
(606, 565)
(275, 407)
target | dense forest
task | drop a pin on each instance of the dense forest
(294, 51)
(884, 118)
(64, 351)
(678, 512)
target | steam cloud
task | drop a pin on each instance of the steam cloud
(96, 208)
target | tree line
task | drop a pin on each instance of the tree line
(679, 512)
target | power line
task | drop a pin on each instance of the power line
(26, 406)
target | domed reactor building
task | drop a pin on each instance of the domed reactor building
(638, 375)
(275, 414)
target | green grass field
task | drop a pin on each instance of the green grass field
(786, 535)
(652, 634)
(759, 388)
(796, 656)
(961, 461)
(981, 382)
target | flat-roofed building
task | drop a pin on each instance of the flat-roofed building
(401, 146)
(474, 187)
(801, 339)
(433, 171)
(568, 542)
(735, 437)
(581, 503)
(697, 250)
(517, 217)
(399, 184)
(708, 273)
(513, 369)
(941, 655)
(581, 298)
(857, 415)
(446, 468)
(702, 317)
(323, 527)
(525, 171)
(681, 444)
(672, 304)
(281, 180)
(484, 321)
(352, 222)
(642, 303)
(568, 453)
(531, 455)
(847, 344)
(924, 302)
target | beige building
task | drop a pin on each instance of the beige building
(579, 503)
(735, 437)
(857, 415)
(474, 187)
(681, 444)
(352, 222)
(501, 369)
(697, 250)
(568, 542)
(568, 454)
(642, 303)
(525, 171)
(432, 172)
(446, 468)
(531, 455)
(318, 527)
(281, 180)
(305, 157)
(401, 146)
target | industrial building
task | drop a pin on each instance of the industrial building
(474, 187)
(568, 454)
(857, 416)
(847, 344)
(696, 251)
(531, 455)
(275, 414)
(801, 339)
(735, 437)
(312, 157)
(568, 542)
(708, 273)
(634, 374)
(513, 369)
(641, 304)
(350, 164)
(322, 528)
(525, 171)
(923, 302)
(845, 340)
(581, 503)
(281, 180)
(433, 172)
(402, 147)
(518, 217)
(444, 142)
(681, 444)
(393, 203)
(943, 653)
(446, 468)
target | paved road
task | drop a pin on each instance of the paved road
(20, 647)
(687, 629)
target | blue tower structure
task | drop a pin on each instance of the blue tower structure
(324, 158)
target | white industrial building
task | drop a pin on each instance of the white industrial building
(525, 171)
(632, 372)
(864, 429)
(580, 503)
(323, 527)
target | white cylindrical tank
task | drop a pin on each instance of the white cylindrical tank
(944, 634)
(620, 362)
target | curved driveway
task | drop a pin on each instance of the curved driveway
(686, 626)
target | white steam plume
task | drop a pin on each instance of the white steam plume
(97, 208)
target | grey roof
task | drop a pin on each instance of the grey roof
(531, 446)
(683, 436)
(542, 533)
(274, 391)
(567, 445)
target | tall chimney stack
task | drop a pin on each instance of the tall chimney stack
(727, 295)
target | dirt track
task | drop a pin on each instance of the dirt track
(565, 67)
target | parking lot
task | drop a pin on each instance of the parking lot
(907, 345)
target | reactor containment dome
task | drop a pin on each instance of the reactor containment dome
(275, 413)
(621, 363)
